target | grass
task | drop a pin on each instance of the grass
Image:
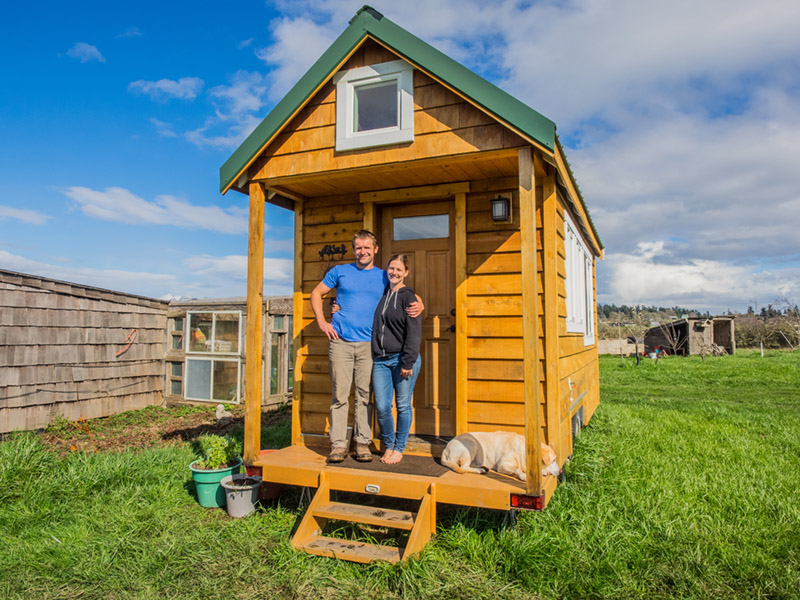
(683, 486)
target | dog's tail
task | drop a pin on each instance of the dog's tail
(451, 465)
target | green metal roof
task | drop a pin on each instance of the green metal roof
(368, 21)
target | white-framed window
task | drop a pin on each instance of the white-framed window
(214, 332)
(212, 379)
(580, 296)
(212, 370)
(375, 105)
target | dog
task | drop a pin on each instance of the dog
(500, 451)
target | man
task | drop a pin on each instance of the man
(359, 286)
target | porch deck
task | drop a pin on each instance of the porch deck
(303, 466)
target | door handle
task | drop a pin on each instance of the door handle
(451, 329)
(452, 312)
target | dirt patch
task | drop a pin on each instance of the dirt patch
(146, 428)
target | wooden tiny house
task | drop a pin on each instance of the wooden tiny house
(388, 134)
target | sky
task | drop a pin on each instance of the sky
(681, 121)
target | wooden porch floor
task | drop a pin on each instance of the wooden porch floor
(302, 466)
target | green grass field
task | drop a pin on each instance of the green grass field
(685, 485)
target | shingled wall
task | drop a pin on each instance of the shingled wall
(64, 350)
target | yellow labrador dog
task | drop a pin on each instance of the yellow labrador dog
(500, 451)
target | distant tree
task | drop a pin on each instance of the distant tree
(750, 310)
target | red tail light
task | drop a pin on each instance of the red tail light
(527, 502)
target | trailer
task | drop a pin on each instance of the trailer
(388, 134)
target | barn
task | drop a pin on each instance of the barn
(386, 133)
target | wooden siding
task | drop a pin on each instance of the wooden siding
(330, 220)
(444, 125)
(58, 347)
(495, 392)
(578, 366)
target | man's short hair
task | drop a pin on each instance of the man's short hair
(365, 234)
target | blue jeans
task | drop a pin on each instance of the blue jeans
(388, 384)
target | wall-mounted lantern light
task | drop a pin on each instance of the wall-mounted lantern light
(501, 209)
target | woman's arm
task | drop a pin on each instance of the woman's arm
(411, 344)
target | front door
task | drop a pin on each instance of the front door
(425, 232)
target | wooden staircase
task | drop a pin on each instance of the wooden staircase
(421, 524)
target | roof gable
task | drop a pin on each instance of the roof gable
(369, 23)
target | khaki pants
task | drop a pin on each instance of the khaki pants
(350, 362)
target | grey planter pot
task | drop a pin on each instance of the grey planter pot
(241, 499)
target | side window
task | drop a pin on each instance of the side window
(212, 370)
(375, 105)
(580, 296)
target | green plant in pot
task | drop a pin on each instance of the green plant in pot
(220, 457)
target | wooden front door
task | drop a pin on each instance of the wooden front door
(425, 233)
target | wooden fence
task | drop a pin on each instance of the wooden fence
(76, 351)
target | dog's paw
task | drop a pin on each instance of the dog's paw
(521, 476)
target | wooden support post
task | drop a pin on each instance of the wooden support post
(255, 326)
(530, 320)
(369, 216)
(297, 332)
(550, 267)
(461, 311)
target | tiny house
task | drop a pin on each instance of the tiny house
(388, 134)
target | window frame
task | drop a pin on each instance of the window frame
(579, 267)
(212, 359)
(210, 355)
(348, 81)
(213, 313)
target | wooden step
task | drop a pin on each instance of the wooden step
(353, 551)
(381, 517)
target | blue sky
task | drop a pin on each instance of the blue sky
(681, 121)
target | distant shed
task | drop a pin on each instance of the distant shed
(76, 351)
(693, 335)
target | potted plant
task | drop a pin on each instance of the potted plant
(241, 494)
(220, 458)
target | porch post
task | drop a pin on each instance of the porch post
(255, 326)
(462, 363)
(530, 320)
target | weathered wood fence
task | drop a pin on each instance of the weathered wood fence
(76, 351)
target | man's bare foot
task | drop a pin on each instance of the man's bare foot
(386, 456)
(395, 458)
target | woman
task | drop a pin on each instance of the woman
(395, 359)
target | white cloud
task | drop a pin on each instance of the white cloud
(238, 110)
(245, 43)
(235, 266)
(196, 277)
(119, 204)
(650, 275)
(85, 53)
(132, 282)
(298, 43)
(163, 129)
(185, 88)
(226, 276)
(131, 32)
(26, 216)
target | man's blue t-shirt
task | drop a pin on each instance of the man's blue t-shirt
(358, 292)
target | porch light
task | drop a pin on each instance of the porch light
(501, 209)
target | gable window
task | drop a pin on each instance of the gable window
(580, 296)
(375, 105)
